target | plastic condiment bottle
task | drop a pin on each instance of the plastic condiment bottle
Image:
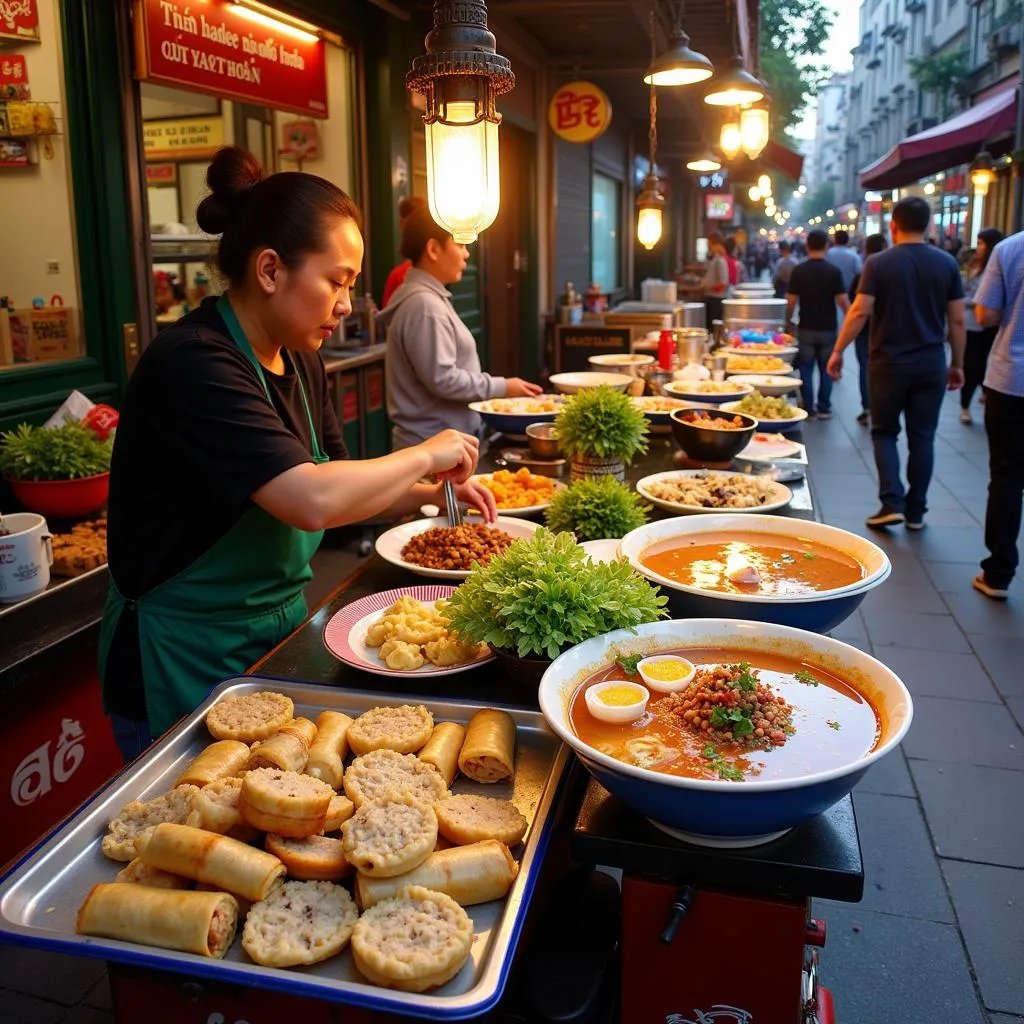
(666, 350)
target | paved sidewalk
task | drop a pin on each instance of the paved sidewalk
(939, 936)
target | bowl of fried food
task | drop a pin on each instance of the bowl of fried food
(430, 547)
(521, 493)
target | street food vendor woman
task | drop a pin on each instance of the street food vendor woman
(229, 463)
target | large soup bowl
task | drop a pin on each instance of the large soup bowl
(712, 812)
(818, 612)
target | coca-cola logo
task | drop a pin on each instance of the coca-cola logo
(35, 775)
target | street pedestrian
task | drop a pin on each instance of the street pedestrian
(915, 298)
(818, 286)
(873, 244)
(979, 339)
(999, 302)
(845, 258)
(783, 270)
(715, 286)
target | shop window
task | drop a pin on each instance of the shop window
(181, 131)
(606, 233)
(40, 292)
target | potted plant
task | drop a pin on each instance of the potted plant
(596, 508)
(59, 471)
(543, 595)
(600, 430)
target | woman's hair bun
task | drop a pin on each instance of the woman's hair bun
(409, 206)
(231, 176)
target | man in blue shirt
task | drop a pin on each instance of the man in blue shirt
(915, 297)
(999, 301)
(842, 256)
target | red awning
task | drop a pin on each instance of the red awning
(956, 141)
(782, 158)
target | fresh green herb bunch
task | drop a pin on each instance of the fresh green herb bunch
(542, 595)
(595, 508)
(58, 453)
(601, 423)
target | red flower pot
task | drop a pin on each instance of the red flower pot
(62, 499)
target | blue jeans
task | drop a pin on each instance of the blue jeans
(815, 348)
(861, 345)
(131, 737)
(918, 397)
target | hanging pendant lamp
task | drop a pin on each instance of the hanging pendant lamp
(734, 87)
(730, 141)
(650, 203)
(679, 65)
(754, 130)
(705, 161)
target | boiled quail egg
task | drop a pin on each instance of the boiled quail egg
(666, 673)
(617, 701)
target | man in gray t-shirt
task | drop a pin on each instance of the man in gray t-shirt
(783, 270)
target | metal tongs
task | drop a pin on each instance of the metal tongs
(452, 504)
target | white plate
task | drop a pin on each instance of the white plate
(780, 371)
(644, 403)
(780, 497)
(799, 415)
(580, 380)
(345, 632)
(787, 353)
(517, 416)
(691, 390)
(604, 550)
(389, 545)
(527, 510)
(773, 385)
(774, 446)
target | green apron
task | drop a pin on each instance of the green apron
(229, 607)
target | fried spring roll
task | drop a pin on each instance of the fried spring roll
(442, 749)
(488, 753)
(138, 872)
(469, 874)
(219, 760)
(303, 728)
(193, 922)
(329, 748)
(285, 750)
(208, 857)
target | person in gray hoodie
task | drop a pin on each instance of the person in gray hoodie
(433, 368)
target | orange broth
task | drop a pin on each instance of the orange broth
(787, 566)
(833, 723)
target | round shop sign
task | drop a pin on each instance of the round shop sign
(579, 112)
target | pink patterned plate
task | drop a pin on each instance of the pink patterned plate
(345, 632)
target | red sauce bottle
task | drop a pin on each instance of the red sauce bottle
(666, 350)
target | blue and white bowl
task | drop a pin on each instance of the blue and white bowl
(517, 416)
(771, 426)
(709, 811)
(818, 612)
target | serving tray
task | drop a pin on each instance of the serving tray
(40, 896)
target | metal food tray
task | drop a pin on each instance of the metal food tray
(40, 896)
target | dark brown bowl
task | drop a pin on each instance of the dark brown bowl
(705, 444)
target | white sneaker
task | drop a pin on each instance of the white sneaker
(965, 416)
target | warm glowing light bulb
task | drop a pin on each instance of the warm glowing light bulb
(929, 188)
(830, 213)
(463, 189)
(851, 214)
(754, 130)
(754, 194)
(764, 183)
(730, 142)
(648, 227)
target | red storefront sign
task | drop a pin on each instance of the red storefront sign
(231, 50)
(13, 71)
(19, 19)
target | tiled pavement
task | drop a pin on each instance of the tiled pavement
(939, 935)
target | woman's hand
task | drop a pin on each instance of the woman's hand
(474, 494)
(453, 455)
(516, 387)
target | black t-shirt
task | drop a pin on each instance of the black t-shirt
(911, 284)
(816, 283)
(195, 439)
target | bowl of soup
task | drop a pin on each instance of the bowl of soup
(755, 566)
(818, 714)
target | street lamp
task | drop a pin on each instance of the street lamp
(679, 65)
(982, 172)
(734, 87)
(460, 77)
(705, 161)
(754, 130)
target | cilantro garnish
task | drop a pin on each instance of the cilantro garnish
(725, 770)
(804, 676)
(709, 752)
(735, 720)
(729, 773)
(747, 681)
(809, 555)
(834, 725)
(629, 663)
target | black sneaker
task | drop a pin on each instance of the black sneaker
(915, 522)
(863, 418)
(885, 517)
(824, 415)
